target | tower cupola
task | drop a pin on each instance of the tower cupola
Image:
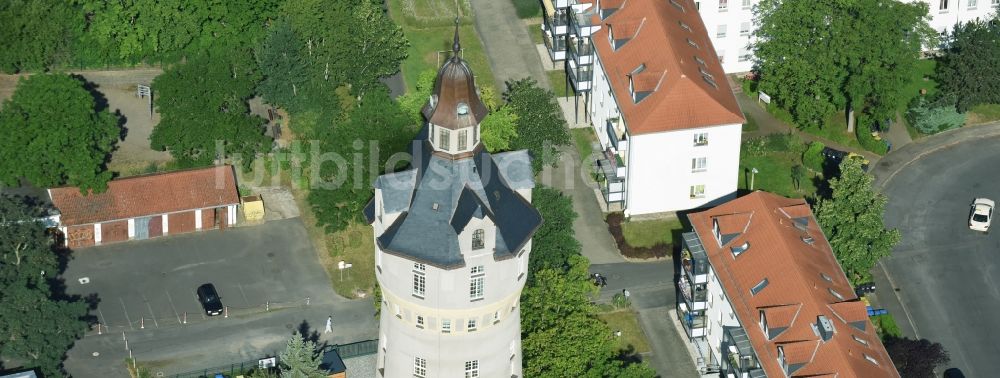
(454, 109)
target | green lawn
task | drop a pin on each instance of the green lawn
(984, 113)
(535, 31)
(751, 124)
(431, 31)
(557, 79)
(632, 338)
(775, 174)
(647, 233)
(919, 79)
(527, 8)
(583, 139)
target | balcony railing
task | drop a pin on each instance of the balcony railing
(694, 260)
(694, 322)
(583, 52)
(580, 79)
(695, 295)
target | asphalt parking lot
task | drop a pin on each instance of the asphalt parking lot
(945, 273)
(152, 283)
(263, 273)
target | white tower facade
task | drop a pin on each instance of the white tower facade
(453, 236)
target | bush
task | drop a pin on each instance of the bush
(886, 326)
(867, 141)
(527, 8)
(754, 147)
(812, 158)
(930, 117)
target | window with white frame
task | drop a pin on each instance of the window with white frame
(747, 4)
(700, 139)
(744, 54)
(699, 164)
(723, 5)
(697, 191)
(722, 56)
(463, 139)
(399, 313)
(745, 28)
(472, 369)
(419, 367)
(720, 31)
(419, 284)
(420, 321)
(972, 4)
(943, 6)
(496, 317)
(476, 288)
(446, 325)
(477, 239)
(996, 3)
(471, 325)
(444, 139)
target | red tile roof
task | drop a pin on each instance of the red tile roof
(797, 275)
(139, 196)
(684, 99)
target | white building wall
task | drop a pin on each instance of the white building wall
(495, 343)
(740, 12)
(719, 314)
(660, 175)
(602, 102)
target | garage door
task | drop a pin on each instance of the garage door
(142, 228)
(181, 222)
(155, 226)
(114, 231)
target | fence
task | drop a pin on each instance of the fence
(346, 351)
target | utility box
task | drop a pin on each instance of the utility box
(253, 208)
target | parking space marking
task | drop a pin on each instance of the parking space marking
(245, 300)
(127, 318)
(171, 300)
(151, 313)
(101, 314)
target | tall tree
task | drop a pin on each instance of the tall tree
(135, 30)
(852, 220)
(38, 324)
(55, 135)
(203, 102)
(818, 56)
(967, 69)
(300, 359)
(373, 131)
(37, 33)
(540, 125)
(499, 128)
(363, 46)
(555, 237)
(915, 358)
(283, 67)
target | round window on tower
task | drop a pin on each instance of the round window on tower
(463, 108)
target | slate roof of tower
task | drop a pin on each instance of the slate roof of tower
(447, 194)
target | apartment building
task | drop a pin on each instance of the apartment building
(731, 23)
(762, 295)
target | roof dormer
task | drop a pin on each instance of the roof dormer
(621, 33)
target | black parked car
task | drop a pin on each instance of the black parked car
(835, 157)
(210, 300)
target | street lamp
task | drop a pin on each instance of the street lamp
(753, 173)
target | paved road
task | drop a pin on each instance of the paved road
(652, 292)
(511, 53)
(146, 288)
(944, 273)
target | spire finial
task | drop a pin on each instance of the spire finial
(456, 47)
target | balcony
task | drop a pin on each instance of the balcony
(694, 261)
(555, 44)
(609, 171)
(696, 296)
(582, 25)
(556, 21)
(694, 322)
(582, 52)
(580, 78)
(740, 358)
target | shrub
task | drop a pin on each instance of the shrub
(930, 117)
(812, 158)
(527, 8)
(865, 138)
(754, 147)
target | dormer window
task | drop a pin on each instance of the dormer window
(758, 287)
(739, 249)
(692, 43)
(477, 239)
(462, 109)
(684, 26)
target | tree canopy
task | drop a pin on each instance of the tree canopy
(540, 126)
(353, 154)
(37, 33)
(555, 237)
(852, 220)
(282, 65)
(915, 358)
(204, 102)
(968, 68)
(54, 134)
(38, 324)
(817, 56)
(300, 359)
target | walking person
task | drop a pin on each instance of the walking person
(329, 325)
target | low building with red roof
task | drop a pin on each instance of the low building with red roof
(146, 206)
(763, 295)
